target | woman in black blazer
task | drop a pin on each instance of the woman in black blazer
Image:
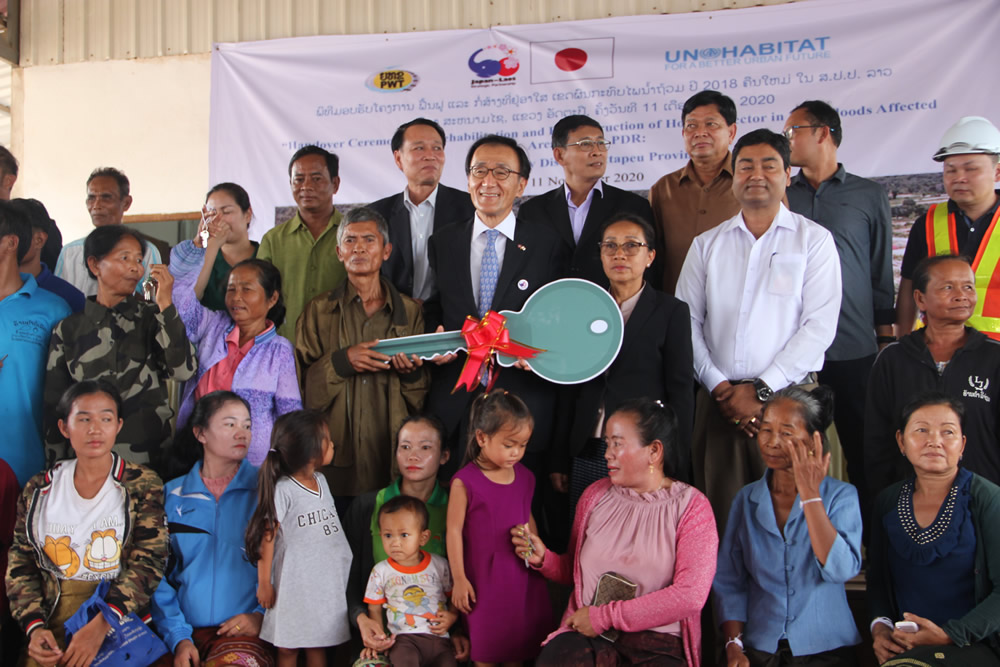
(655, 360)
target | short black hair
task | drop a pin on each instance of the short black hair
(524, 167)
(8, 163)
(397, 137)
(13, 222)
(821, 113)
(922, 271)
(562, 128)
(332, 161)
(102, 241)
(764, 136)
(724, 103)
(36, 213)
(118, 175)
(86, 388)
(648, 234)
(409, 504)
(926, 398)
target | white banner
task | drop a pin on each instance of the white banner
(899, 71)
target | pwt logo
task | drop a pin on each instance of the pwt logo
(392, 81)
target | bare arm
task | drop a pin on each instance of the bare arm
(463, 595)
(734, 654)
(265, 590)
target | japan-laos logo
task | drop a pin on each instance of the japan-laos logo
(493, 60)
(392, 80)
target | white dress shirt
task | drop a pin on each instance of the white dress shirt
(578, 214)
(479, 228)
(761, 308)
(421, 228)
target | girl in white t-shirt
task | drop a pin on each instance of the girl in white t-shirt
(296, 539)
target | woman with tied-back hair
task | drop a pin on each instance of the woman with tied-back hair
(206, 604)
(239, 349)
(792, 539)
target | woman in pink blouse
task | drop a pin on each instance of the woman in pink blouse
(645, 526)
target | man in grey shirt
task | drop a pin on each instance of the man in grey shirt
(856, 211)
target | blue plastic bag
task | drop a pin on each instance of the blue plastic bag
(129, 643)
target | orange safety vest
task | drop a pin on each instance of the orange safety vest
(941, 240)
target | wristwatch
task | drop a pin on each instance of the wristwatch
(763, 391)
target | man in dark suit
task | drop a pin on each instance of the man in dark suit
(577, 209)
(424, 207)
(523, 257)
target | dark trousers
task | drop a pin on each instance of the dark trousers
(632, 648)
(849, 381)
(839, 657)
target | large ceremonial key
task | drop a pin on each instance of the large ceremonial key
(574, 326)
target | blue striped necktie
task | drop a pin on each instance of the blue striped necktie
(489, 271)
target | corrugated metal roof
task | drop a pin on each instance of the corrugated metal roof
(67, 31)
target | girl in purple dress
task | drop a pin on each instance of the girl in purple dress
(506, 603)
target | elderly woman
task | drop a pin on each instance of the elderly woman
(135, 345)
(945, 355)
(226, 217)
(934, 558)
(92, 518)
(239, 350)
(645, 526)
(206, 604)
(655, 360)
(792, 539)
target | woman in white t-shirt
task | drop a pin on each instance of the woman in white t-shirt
(85, 520)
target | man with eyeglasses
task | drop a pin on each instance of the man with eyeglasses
(764, 292)
(698, 196)
(423, 207)
(508, 259)
(107, 200)
(577, 209)
(856, 211)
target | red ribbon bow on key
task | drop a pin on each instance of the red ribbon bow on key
(483, 338)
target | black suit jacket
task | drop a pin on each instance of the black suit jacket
(655, 362)
(535, 257)
(550, 209)
(452, 206)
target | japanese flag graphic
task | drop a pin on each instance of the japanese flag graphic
(573, 59)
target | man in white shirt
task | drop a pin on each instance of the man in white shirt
(764, 290)
(107, 200)
(422, 208)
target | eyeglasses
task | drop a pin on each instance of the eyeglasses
(499, 173)
(631, 248)
(791, 130)
(590, 144)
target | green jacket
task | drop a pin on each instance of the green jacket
(32, 586)
(983, 622)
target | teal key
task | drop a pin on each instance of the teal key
(577, 324)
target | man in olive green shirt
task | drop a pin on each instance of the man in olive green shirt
(304, 249)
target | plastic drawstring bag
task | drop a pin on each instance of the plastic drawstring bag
(129, 643)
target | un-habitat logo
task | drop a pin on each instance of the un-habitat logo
(807, 48)
(392, 80)
(979, 388)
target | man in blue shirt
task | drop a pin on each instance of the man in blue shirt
(27, 315)
(41, 224)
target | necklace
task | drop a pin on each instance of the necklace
(937, 528)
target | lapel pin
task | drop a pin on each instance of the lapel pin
(522, 249)
(522, 284)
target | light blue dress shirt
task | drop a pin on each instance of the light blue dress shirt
(774, 584)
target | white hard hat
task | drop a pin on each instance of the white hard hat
(971, 134)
